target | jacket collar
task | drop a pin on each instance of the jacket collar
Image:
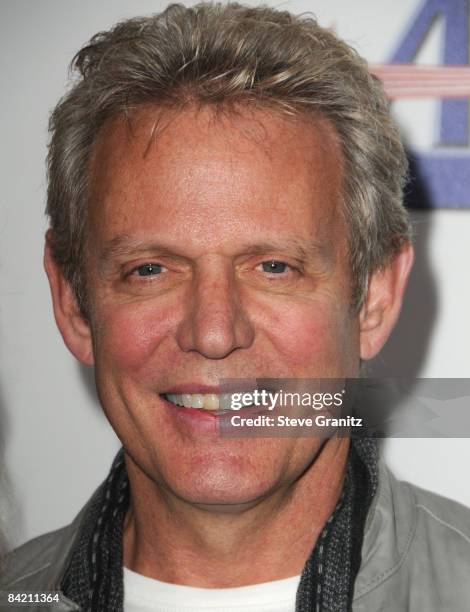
(390, 527)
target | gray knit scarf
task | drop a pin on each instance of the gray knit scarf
(94, 576)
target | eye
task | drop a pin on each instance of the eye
(149, 269)
(274, 266)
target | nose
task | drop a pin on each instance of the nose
(215, 323)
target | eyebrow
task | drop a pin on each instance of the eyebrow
(312, 250)
(123, 244)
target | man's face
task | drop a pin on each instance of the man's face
(217, 251)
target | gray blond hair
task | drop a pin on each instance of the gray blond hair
(220, 54)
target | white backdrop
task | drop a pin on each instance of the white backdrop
(55, 445)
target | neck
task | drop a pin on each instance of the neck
(173, 541)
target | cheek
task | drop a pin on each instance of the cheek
(128, 334)
(312, 337)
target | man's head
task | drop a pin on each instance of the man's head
(220, 56)
(225, 202)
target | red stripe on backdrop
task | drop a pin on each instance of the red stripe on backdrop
(413, 81)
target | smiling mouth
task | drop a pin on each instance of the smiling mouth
(209, 402)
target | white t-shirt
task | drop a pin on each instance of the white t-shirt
(142, 594)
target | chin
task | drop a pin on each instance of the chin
(226, 497)
(226, 481)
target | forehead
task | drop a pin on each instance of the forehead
(199, 165)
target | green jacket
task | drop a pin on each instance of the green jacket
(415, 555)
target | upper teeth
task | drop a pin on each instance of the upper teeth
(207, 401)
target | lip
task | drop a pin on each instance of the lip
(204, 421)
(192, 419)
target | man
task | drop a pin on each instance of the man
(225, 199)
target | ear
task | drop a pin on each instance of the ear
(74, 328)
(383, 303)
